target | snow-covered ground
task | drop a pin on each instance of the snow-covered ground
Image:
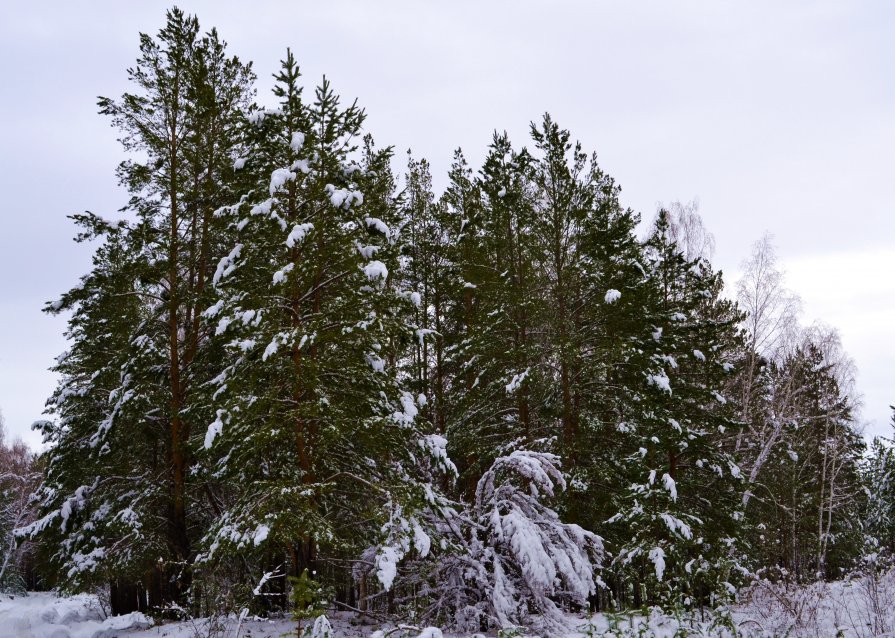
(853, 609)
(45, 615)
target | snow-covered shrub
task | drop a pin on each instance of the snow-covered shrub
(519, 563)
(783, 606)
(320, 629)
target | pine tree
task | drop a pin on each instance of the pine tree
(594, 282)
(100, 498)
(180, 123)
(315, 441)
(518, 562)
(428, 270)
(681, 511)
(497, 361)
(274, 353)
(879, 485)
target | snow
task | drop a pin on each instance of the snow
(667, 358)
(213, 310)
(657, 556)
(387, 566)
(421, 541)
(270, 350)
(422, 333)
(436, 446)
(516, 382)
(375, 270)
(86, 562)
(698, 354)
(669, 484)
(280, 275)
(298, 140)
(350, 168)
(342, 197)
(222, 326)
(227, 265)
(263, 208)
(321, 628)
(768, 609)
(612, 295)
(677, 526)
(260, 534)
(367, 252)
(298, 233)
(406, 415)
(214, 429)
(532, 553)
(660, 380)
(71, 505)
(378, 224)
(267, 576)
(45, 615)
(376, 362)
(239, 164)
(279, 178)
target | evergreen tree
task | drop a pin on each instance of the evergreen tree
(315, 440)
(100, 498)
(428, 270)
(594, 280)
(497, 361)
(681, 512)
(271, 357)
(180, 123)
(879, 485)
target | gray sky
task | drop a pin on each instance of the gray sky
(778, 116)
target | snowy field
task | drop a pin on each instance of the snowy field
(852, 609)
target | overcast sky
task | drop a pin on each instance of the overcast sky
(778, 116)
